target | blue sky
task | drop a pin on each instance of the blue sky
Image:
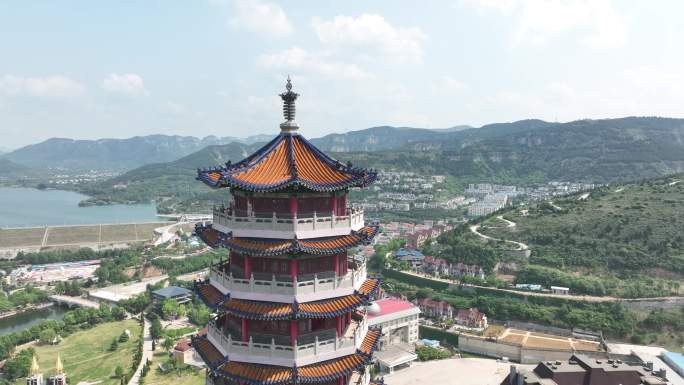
(85, 69)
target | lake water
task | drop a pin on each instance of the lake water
(27, 207)
(26, 320)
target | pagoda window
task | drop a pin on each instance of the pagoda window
(237, 265)
(233, 327)
(240, 203)
(265, 268)
(316, 265)
(267, 206)
(320, 205)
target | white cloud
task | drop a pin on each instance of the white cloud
(596, 22)
(372, 31)
(126, 84)
(450, 84)
(261, 17)
(52, 86)
(296, 58)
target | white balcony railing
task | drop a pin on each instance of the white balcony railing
(313, 226)
(286, 291)
(278, 354)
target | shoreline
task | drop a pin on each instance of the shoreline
(25, 309)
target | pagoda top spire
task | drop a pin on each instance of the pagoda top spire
(59, 368)
(34, 369)
(289, 97)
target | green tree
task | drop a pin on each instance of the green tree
(156, 329)
(170, 308)
(114, 345)
(119, 372)
(123, 337)
(18, 366)
(118, 313)
(168, 344)
(47, 336)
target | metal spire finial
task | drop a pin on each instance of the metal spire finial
(289, 98)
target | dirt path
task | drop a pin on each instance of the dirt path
(519, 245)
(147, 352)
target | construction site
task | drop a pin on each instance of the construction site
(527, 346)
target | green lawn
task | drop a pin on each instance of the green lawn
(155, 377)
(86, 356)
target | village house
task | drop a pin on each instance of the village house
(413, 257)
(435, 309)
(460, 270)
(472, 318)
(436, 266)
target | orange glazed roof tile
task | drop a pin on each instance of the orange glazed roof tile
(288, 160)
(208, 351)
(209, 294)
(269, 247)
(258, 374)
(369, 287)
(370, 342)
(326, 308)
(258, 309)
(329, 370)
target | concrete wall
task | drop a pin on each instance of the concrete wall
(486, 347)
(491, 348)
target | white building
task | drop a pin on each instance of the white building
(560, 290)
(398, 322)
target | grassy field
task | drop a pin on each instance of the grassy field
(112, 233)
(155, 377)
(73, 234)
(86, 356)
(21, 237)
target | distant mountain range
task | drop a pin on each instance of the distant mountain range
(114, 154)
(530, 151)
(519, 152)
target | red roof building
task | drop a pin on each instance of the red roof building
(471, 318)
(290, 302)
(435, 309)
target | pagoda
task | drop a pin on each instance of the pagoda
(290, 303)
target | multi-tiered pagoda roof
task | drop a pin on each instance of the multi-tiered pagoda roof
(272, 247)
(289, 302)
(287, 161)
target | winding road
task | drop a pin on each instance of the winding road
(520, 246)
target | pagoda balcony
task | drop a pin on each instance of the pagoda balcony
(286, 226)
(259, 287)
(279, 350)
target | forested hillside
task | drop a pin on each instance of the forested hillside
(623, 239)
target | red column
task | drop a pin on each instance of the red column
(294, 268)
(293, 205)
(343, 204)
(348, 318)
(341, 380)
(245, 330)
(336, 263)
(294, 332)
(333, 204)
(340, 327)
(248, 266)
